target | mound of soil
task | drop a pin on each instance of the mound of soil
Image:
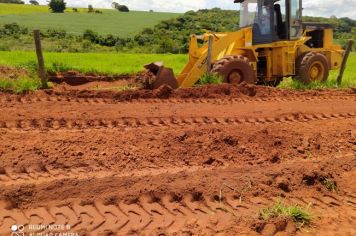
(75, 78)
(164, 92)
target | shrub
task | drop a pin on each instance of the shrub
(87, 46)
(75, 9)
(12, 1)
(34, 2)
(4, 47)
(330, 184)
(210, 79)
(299, 215)
(57, 6)
(91, 35)
(56, 33)
(20, 85)
(123, 8)
(12, 29)
(90, 8)
(109, 41)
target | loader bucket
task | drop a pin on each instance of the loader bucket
(164, 76)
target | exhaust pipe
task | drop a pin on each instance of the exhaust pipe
(164, 76)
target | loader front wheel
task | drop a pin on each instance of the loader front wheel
(312, 67)
(235, 70)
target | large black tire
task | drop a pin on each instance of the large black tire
(235, 70)
(312, 67)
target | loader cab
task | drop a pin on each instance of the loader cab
(271, 20)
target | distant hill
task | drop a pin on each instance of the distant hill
(147, 32)
(110, 22)
(171, 35)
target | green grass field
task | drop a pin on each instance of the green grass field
(110, 22)
(117, 63)
(110, 63)
(6, 9)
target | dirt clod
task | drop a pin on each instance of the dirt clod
(283, 183)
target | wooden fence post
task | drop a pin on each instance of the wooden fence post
(210, 49)
(41, 65)
(344, 60)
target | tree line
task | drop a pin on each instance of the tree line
(172, 36)
(12, 1)
(59, 6)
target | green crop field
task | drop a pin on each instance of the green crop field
(6, 9)
(117, 63)
(110, 22)
(109, 63)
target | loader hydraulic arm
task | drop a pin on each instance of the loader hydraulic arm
(223, 44)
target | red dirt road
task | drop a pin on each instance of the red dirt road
(200, 161)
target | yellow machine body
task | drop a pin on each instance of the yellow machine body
(281, 56)
(271, 44)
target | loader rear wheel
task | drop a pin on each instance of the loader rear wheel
(312, 67)
(235, 70)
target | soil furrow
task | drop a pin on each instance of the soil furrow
(129, 122)
(12, 99)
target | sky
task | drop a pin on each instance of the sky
(326, 8)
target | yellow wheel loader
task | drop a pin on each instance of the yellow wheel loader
(272, 43)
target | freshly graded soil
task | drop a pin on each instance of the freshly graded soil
(198, 161)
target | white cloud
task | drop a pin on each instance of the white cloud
(326, 8)
(340, 8)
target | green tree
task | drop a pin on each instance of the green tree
(34, 2)
(12, 1)
(123, 8)
(120, 7)
(57, 6)
(114, 5)
(90, 8)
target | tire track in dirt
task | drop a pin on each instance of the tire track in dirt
(38, 177)
(177, 212)
(8, 178)
(130, 122)
(8, 99)
(170, 213)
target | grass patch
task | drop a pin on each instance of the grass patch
(300, 215)
(331, 83)
(19, 85)
(349, 78)
(329, 184)
(210, 79)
